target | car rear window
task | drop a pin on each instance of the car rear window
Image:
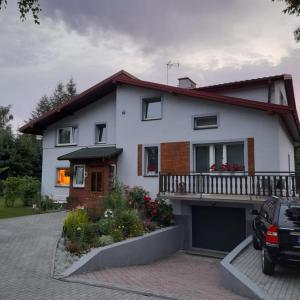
(289, 216)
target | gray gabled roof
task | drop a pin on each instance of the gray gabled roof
(92, 153)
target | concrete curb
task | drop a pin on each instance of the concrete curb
(135, 251)
(233, 279)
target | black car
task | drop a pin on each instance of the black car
(276, 231)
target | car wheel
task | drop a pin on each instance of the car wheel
(267, 266)
(255, 242)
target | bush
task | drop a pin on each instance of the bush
(30, 190)
(74, 222)
(115, 200)
(117, 234)
(164, 215)
(105, 240)
(12, 190)
(25, 188)
(106, 226)
(136, 197)
(129, 221)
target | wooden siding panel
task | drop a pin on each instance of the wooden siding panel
(251, 159)
(140, 160)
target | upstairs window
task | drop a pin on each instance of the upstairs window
(101, 133)
(203, 122)
(78, 178)
(66, 136)
(152, 109)
(62, 176)
(151, 161)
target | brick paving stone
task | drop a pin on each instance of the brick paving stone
(180, 276)
(26, 253)
(283, 285)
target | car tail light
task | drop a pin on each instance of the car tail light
(272, 235)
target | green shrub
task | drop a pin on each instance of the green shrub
(105, 240)
(12, 190)
(106, 226)
(117, 234)
(74, 222)
(164, 215)
(136, 196)
(46, 203)
(30, 190)
(115, 200)
(25, 188)
(129, 221)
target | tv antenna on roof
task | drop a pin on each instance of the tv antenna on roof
(171, 64)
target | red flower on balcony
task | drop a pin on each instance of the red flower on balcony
(227, 168)
(152, 168)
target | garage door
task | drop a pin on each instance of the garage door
(218, 228)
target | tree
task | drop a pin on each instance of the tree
(61, 94)
(25, 7)
(5, 117)
(292, 8)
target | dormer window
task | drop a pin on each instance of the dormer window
(66, 136)
(152, 109)
(101, 133)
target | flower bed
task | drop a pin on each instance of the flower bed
(128, 212)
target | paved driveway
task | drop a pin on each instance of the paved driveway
(26, 249)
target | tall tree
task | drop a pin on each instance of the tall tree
(293, 8)
(5, 117)
(61, 94)
(25, 7)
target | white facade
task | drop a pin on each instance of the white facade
(122, 112)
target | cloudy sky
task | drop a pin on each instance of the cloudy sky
(214, 41)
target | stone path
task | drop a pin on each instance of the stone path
(180, 276)
(283, 285)
(26, 252)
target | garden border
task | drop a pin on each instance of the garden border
(135, 251)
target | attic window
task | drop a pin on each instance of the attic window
(204, 122)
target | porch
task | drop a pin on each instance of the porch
(234, 186)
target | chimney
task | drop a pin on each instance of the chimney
(186, 83)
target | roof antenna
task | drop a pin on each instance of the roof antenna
(171, 64)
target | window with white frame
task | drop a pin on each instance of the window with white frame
(101, 133)
(151, 161)
(78, 176)
(204, 122)
(220, 157)
(66, 136)
(62, 176)
(151, 108)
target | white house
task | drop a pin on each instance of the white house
(213, 151)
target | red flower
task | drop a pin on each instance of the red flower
(147, 198)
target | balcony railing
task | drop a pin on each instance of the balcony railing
(283, 184)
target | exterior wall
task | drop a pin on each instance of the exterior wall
(235, 124)
(286, 150)
(258, 93)
(102, 111)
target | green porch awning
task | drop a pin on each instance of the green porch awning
(92, 153)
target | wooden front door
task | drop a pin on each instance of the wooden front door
(98, 178)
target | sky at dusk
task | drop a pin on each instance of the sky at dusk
(213, 41)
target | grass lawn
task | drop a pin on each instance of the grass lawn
(16, 211)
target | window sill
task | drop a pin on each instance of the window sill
(62, 186)
(150, 175)
(100, 143)
(78, 187)
(65, 145)
(153, 119)
(206, 127)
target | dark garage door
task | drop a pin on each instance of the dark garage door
(218, 228)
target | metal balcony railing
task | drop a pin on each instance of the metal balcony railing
(283, 184)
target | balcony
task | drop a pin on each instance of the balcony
(236, 186)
